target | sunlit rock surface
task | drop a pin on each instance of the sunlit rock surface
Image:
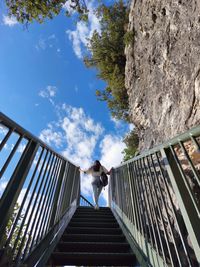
(163, 68)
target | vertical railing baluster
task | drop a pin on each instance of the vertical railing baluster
(162, 221)
(132, 193)
(3, 142)
(186, 205)
(153, 208)
(57, 194)
(12, 191)
(149, 213)
(10, 156)
(29, 220)
(185, 246)
(62, 193)
(42, 198)
(41, 190)
(46, 222)
(137, 195)
(184, 178)
(158, 182)
(24, 199)
(72, 187)
(145, 217)
(190, 161)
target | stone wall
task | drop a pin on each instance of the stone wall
(163, 68)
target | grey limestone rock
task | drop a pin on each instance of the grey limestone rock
(163, 68)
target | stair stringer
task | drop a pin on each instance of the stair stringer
(48, 244)
(141, 258)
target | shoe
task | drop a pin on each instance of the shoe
(96, 207)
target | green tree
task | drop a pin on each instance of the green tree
(26, 11)
(107, 56)
(9, 256)
(132, 141)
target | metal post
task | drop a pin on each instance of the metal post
(57, 193)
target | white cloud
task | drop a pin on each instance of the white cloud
(116, 122)
(21, 148)
(41, 44)
(9, 21)
(131, 126)
(81, 134)
(83, 31)
(47, 42)
(68, 6)
(49, 92)
(76, 136)
(111, 150)
(51, 137)
(3, 129)
(111, 155)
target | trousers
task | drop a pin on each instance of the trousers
(97, 188)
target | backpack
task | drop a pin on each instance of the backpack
(103, 179)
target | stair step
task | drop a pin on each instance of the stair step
(93, 238)
(94, 211)
(90, 215)
(94, 259)
(92, 230)
(93, 220)
(93, 247)
(92, 224)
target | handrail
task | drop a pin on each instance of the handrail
(157, 197)
(84, 202)
(42, 187)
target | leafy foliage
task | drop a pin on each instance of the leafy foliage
(15, 235)
(27, 11)
(107, 55)
(132, 141)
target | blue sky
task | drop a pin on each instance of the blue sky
(45, 87)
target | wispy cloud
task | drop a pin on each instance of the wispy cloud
(48, 42)
(9, 21)
(41, 44)
(84, 30)
(49, 92)
(51, 137)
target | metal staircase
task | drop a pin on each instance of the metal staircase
(153, 216)
(93, 238)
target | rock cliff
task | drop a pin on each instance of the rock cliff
(163, 68)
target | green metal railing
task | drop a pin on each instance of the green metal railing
(157, 197)
(40, 194)
(84, 202)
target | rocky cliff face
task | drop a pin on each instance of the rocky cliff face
(163, 68)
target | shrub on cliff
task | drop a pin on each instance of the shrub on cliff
(107, 56)
(26, 11)
(132, 141)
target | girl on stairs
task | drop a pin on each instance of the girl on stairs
(96, 170)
